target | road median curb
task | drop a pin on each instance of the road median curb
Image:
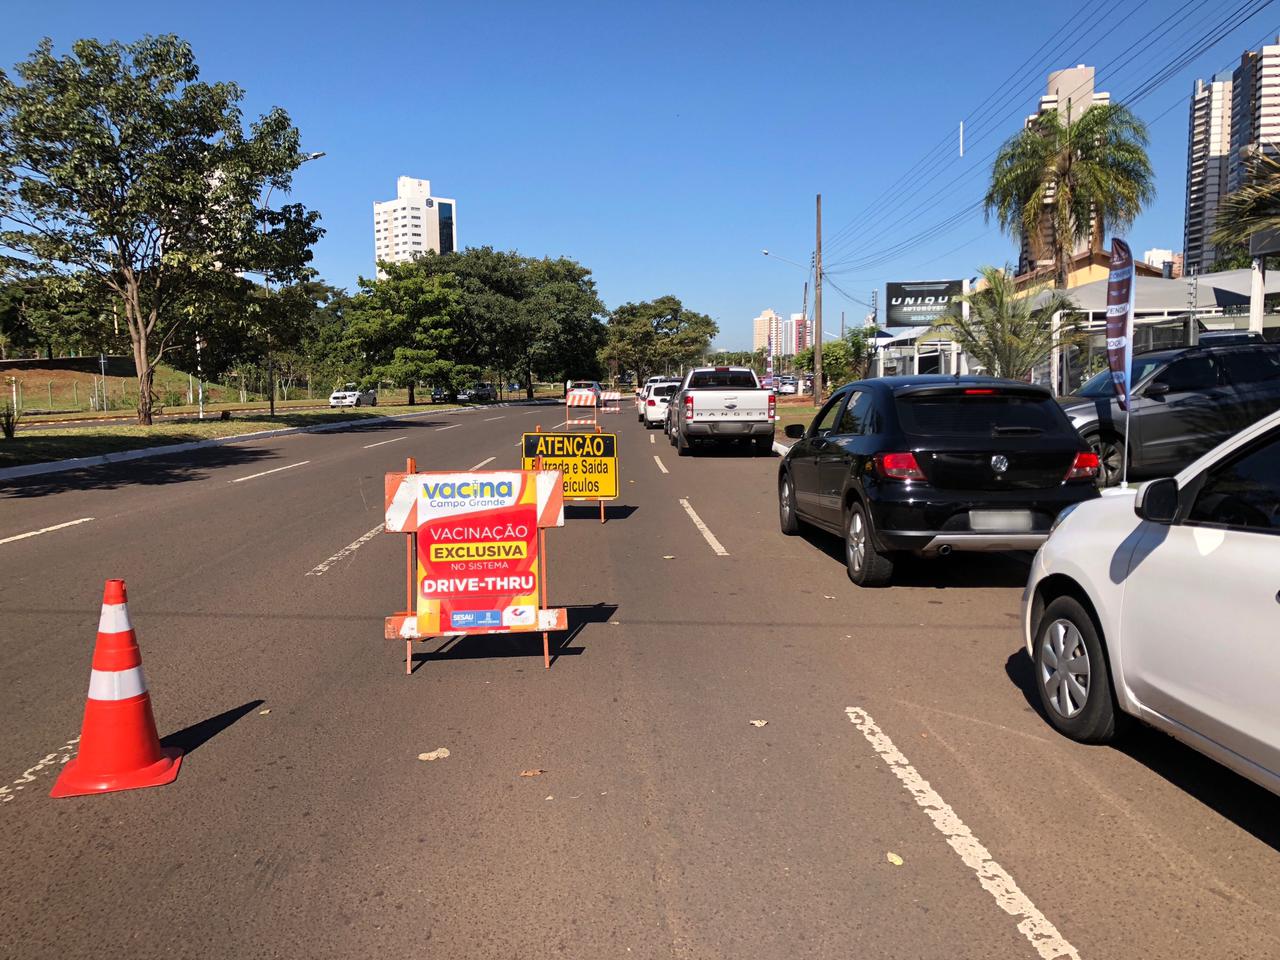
(141, 453)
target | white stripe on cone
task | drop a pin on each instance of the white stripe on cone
(115, 618)
(116, 684)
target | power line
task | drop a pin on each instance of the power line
(1235, 19)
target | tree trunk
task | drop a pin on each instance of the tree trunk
(141, 361)
(411, 385)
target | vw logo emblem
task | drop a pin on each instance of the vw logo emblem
(999, 463)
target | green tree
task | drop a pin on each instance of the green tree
(1251, 210)
(842, 360)
(1010, 331)
(118, 161)
(657, 336)
(523, 317)
(1060, 182)
(402, 326)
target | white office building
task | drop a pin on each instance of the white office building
(766, 331)
(1208, 163)
(413, 223)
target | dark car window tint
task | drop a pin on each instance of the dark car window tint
(956, 415)
(664, 390)
(1244, 492)
(1251, 366)
(825, 420)
(722, 379)
(1190, 373)
(858, 415)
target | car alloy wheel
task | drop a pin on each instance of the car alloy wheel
(1110, 452)
(1064, 668)
(855, 543)
(787, 519)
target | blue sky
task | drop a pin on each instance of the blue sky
(665, 144)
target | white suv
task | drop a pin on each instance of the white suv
(1163, 606)
(654, 411)
(351, 396)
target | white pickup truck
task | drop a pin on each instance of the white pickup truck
(721, 403)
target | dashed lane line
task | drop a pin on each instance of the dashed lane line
(320, 569)
(652, 438)
(1049, 944)
(491, 419)
(254, 476)
(661, 466)
(370, 446)
(703, 529)
(449, 427)
(36, 533)
(483, 463)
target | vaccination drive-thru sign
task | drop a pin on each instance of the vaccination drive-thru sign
(477, 552)
(588, 461)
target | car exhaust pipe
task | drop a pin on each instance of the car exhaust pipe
(944, 550)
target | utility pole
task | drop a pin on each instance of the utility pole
(841, 324)
(817, 312)
(804, 318)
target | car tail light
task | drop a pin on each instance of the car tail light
(898, 466)
(773, 407)
(688, 406)
(653, 403)
(979, 392)
(1084, 467)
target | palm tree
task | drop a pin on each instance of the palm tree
(1009, 329)
(1059, 183)
(1254, 208)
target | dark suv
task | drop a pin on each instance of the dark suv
(932, 464)
(1186, 402)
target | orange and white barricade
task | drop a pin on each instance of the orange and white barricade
(575, 402)
(611, 402)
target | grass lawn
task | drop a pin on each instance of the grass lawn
(794, 413)
(39, 446)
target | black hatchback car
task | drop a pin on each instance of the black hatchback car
(931, 464)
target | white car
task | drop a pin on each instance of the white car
(351, 396)
(787, 385)
(1163, 606)
(654, 412)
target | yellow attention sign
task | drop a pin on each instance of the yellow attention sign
(588, 462)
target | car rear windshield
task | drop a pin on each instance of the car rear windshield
(664, 389)
(958, 415)
(583, 385)
(722, 380)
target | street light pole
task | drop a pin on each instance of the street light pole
(266, 282)
(817, 312)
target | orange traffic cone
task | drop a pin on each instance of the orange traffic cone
(119, 748)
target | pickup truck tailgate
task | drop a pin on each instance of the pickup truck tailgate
(729, 406)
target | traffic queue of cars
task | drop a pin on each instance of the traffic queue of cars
(1158, 601)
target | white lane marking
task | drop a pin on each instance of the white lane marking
(320, 569)
(491, 419)
(483, 462)
(253, 476)
(1033, 924)
(703, 529)
(449, 427)
(652, 439)
(661, 466)
(61, 755)
(370, 446)
(56, 526)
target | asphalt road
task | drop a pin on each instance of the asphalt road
(900, 722)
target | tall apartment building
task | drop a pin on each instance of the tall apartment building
(1209, 137)
(766, 329)
(1233, 117)
(413, 223)
(801, 332)
(1070, 93)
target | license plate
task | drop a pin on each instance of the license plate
(1003, 521)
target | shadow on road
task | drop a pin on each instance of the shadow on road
(1232, 796)
(195, 736)
(612, 511)
(731, 450)
(157, 471)
(966, 570)
(493, 645)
